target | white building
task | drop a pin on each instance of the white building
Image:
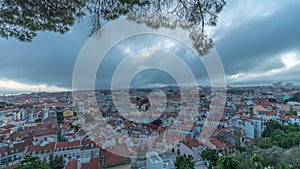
(252, 126)
(153, 161)
(192, 147)
(295, 120)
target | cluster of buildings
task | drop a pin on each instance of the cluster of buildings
(89, 130)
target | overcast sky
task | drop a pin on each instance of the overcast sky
(257, 41)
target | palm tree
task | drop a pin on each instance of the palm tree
(228, 162)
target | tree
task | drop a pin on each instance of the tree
(270, 156)
(285, 136)
(290, 158)
(57, 162)
(22, 19)
(228, 162)
(157, 122)
(184, 162)
(30, 162)
(211, 155)
(295, 97)
(2, 104)
(256, 161)
(270, 127)
(265, 143)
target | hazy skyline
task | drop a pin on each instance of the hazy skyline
(257, 41)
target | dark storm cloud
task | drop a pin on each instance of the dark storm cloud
(247, 45)
(49, 59)
(257, 43)
(134, 44)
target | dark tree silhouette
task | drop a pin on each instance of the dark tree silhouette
(57, 162)
(191, 15)
(184, 162)
(30, 162)
(22, 19)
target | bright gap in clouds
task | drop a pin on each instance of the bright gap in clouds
(290, 60)
(10, 85)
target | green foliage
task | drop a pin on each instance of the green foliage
(3, 104)
(57, 162)
(290, 158)
(22, 19)
(256, 161)
(76, 127)
(270, 127)
(295, 97)
(269, 157)
(285, 136)
(184, 162)
(291, 113)
(274, 157)
(265, 143)
(210, 155)
(157, 122)
(272, 100)
(228, 162)
(30, 162)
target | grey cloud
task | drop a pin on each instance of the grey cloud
(48, 59)
(255, 42)
(253, 45)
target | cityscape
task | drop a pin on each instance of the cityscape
(149, 84)
(51, 125)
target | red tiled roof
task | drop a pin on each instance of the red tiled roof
(41, 127)
(72, 165)
(69, 135)
(8, 126)
(75, 143)
(49, 119)
(217, 143)
(111, 159)
(19, 134)
(295, 117)
(44, 132)
(92, 165)
(81, 132)
(37, 148)
(191, 142)
(19, 147)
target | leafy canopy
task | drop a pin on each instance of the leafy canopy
(184, 162)
(22, 19)
(30, 162)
